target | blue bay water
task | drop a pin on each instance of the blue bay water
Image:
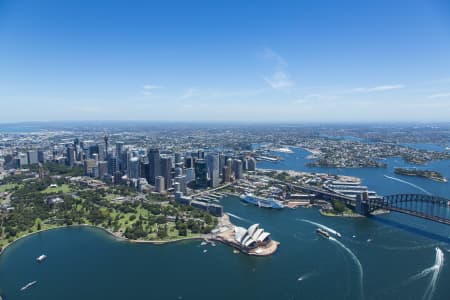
(375, 259)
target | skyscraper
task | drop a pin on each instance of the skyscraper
(41, 156)
(227, 170)
(144, 168)
(112, 165)
(178, 158)
(154, 160)
(201, 154)
(159, 184)
(70, 156)
(237, 168)
(201, 173)
(212, 162)
(93, 149)
(101, 152)
(190, 174)
(134, 168)
(119, 148)
(251, 164)
(188, 162)
(23, 158)
(102, 168)
(221, 162)
(105, 138)
(32, 157)
(166, 171)
(90, 168)
(181, 181)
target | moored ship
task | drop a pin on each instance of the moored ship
(262, 202)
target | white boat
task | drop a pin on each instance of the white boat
(41, 258)
(28, 285)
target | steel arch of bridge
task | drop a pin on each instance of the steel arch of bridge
(420, 205)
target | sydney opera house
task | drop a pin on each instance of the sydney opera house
(252, 237)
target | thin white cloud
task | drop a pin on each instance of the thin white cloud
(269, 54)
(279, 80)
(189, 93)
(442, 95)
(381, 88)
(152, 87)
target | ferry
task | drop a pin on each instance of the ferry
(262, 202)
(28, 285)
(323, 233)
(41, 258)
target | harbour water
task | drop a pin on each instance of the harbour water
(385, 257)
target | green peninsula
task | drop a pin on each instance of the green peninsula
(33, 204)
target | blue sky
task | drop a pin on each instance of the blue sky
(293, 61)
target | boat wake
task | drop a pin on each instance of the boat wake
(408, 183)
(330, 230)
(357, 262)
(239, 218)
(435, 271)
(307, 275)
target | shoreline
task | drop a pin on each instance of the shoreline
(336, 215)
(113, 234)
(377, 212)
(224, 220)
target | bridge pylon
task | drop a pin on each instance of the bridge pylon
(362, 206)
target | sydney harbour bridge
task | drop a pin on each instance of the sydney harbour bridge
(424, 206)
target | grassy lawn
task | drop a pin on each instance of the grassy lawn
(7, 187)
(64, 189)
(87, 209)
(111, 197)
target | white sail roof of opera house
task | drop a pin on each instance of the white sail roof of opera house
(253, 234)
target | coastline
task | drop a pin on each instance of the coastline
(113, 234)
(377, 212)
(272, 247)
(333, 214)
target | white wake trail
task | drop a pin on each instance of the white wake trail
(330, 230)
(306, 276)
(239, 218)
(357, 262)
(438, 264)
(408, 183)
(435, 271)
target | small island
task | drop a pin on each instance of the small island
(433, 175)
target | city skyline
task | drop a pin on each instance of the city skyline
(272, 62)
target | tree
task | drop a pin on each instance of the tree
(162, 231)
(338, 206)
